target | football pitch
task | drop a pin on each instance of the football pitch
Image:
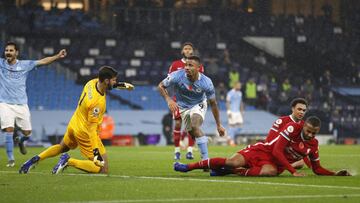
(145, 174)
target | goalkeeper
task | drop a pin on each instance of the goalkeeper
(83, 127)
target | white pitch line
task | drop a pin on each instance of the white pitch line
(199, 180)
(228, 198)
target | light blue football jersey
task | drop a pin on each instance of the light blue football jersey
(189, 94)
(13, 81)
(235, 98)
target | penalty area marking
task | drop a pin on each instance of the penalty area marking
(198, 180)
(344, 196)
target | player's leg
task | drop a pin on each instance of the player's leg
(65, 145)
(89, 165)
(9, 145)
(177, 134)
(218, 163)
(7, 119)
(24, 123)
(189, 154)
(264, 170)
(201, 139)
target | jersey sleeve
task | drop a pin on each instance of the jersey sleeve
(28, 65)
(228, 96)
(210, 93)
(170, 80)
(315, 162)
(287, 133)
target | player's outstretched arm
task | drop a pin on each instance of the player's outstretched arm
(124, 86)
(216, 114)
(45, 61)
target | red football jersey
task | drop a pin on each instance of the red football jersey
(278, 124)
(290, 146)
(180, 64)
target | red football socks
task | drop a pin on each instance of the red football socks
(213, 163)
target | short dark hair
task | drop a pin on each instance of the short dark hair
(187, 43)
(12, 44)
(314, 121)
(299, 101)
(195, 58)
(107, 72)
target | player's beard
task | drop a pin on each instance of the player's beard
(9, 58)
(109, 86)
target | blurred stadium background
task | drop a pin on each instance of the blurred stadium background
(289, 48)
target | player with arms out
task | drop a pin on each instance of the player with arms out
(294, 141)
(192, 90)
(83, 128)
(186, 51)
(13, 97)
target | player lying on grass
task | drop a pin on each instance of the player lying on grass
(294, 141)
(298, 109)
(83, 128)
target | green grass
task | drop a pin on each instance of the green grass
(145, 174)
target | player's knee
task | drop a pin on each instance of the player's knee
(9, 130)
(104, 170)
(269, 171)
(232, 162)
(26, 132)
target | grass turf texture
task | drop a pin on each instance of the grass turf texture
(145, 174)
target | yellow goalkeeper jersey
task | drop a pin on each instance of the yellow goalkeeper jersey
(89, 113)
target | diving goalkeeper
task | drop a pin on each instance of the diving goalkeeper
(82, 130)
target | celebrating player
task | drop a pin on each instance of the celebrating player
(192, 90)
(13, 98)
(294, 141)
(83, 128)
(186, 51)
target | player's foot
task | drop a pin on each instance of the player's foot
(189, 155)
(61, 165)
(11, 163)
(22, 147)
(181, 167)
(177, 156)
(29, 164)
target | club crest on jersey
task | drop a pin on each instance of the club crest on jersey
(290, 129)
(301, 145)
(278, 121)
(96, 112)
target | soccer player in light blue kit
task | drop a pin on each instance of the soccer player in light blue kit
(235, 112)
(192, 90)
(13, 98)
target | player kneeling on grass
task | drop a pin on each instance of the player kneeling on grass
(293, 142)
(83, 127)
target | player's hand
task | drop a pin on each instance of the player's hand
(343, 172)
(172, 105)
(98, 160)
(221, 130)
(62, 53)
(124, 86)
(297, 174)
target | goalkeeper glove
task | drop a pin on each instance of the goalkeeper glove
(98, 160)
(124, 85)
